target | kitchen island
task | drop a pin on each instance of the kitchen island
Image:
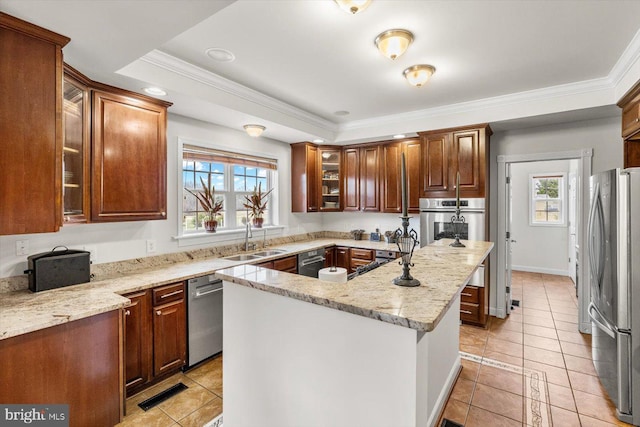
(303, 352)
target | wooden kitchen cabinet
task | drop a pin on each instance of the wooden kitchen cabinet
(474, 305)
(169, 328)
(31, 127)
(630, 104)
(362, 178)
(359, 257)
(391, 185)
(128, 156)
(343, 258)
(330, 179)
(330, 257)
(137, 342)
(304, 177)
(288, 264)
(449, 151)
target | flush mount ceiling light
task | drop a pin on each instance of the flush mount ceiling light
(318, 141)
(353, 6)
(399, 136)
(393, 43)
(254, 130)
(220, 55)
(418, 75)
(155, 91)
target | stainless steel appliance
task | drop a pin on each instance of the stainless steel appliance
(386, 256)
(435, 224)
(309, 263)
(204, 318)
(613, 249)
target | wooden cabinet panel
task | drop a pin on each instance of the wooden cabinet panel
(359, 257)
(630, 104)
(137, 342)
(30, 127)
(330, 257)
(343, 259)
(370, 179)
(631, 154)
(413, 155)
(265, 264)
(631, 119)
(435, 163)
(169, 337)
(351, 165)
(304, 177)
(330, 179)
(466, 160)
(391, 186)
(129, 158)
(168, 293)
(288, 264)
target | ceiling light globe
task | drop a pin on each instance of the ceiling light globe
(254, 130)
(418, 75)
(393, 43)
(353, 6)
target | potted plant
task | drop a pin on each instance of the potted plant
(210, 205)
(257, 203)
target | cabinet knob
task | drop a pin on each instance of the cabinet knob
(127, 313)
(163, 213)
(159, 312)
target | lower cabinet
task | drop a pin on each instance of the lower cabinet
(474, 305)
(330, 257)
(359, 257)
(342, 257)
(155, 335)
(288, 264)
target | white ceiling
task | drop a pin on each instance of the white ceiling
(298, 62)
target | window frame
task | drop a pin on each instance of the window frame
(562, 199)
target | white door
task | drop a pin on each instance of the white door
(572, 225)
(508, 238)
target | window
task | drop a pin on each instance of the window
(547, 199)
(233, 176)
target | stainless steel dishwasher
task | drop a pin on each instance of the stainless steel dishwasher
(309, 263)
(204, 319)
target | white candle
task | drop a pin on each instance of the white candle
(404, 187)
(458, 191)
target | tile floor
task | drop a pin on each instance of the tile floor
(532, 369)
(193, 407)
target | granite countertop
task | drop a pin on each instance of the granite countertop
(442, 271)
(22, 311)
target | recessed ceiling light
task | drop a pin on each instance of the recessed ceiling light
(155, 91)
(220, 55)
(318, 141)
(399, 136)
(341, 113)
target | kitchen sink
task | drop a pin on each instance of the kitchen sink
(243, 257)
(270, 252)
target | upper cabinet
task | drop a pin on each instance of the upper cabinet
(30, 127)
(630, 105)
(331, 188)
(304, 177)
(391, 187)
(362, 178)
(449, 151)
(128, 156)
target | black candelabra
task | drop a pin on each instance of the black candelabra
(457, 223)
(406, 241)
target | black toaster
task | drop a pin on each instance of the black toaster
(58, 268)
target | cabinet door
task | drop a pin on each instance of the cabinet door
(631, 118)
(391, 186)
(30, 128)
(330, 182)
(351, 162)
(129, 159)
(304, 177)
(330, 257)
(413, 155)
(312, 179)
(137, 341)
(370, 179)
(169, 337)
(465, 158)
(343, 259)
(435, 164)
(288, 264)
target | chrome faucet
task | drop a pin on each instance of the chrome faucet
(247, 235)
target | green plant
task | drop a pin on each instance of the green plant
(207, 198)
(257, 201)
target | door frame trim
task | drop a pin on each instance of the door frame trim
(584, 157)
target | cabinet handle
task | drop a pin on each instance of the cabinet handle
(465, 312)
(127, 313)
(159, 312)
(170, 294)
(465, 294)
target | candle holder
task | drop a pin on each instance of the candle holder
(457, 223)
(406, 241)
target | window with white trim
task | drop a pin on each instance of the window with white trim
(548, 199)
(233, 176)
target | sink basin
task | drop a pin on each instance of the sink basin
(270, 252)
(243, 257)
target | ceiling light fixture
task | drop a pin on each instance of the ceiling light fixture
(254, 130)
(418, 75)
(393, 43)
(318, 140)
(353, 6)
(399, 136)
(155, 91)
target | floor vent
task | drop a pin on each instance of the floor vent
(162, 396)
(515, 303)
(448, 423)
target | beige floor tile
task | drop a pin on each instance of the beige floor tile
(579, 364)
(502, 346)
(595, 406)
(553, 374)
(538, 303)
(478, 350)
(185, 402)
(593, 422)
(539, 312)
(547, 357)
(498, 401)
(565, 317)
(561, 397)
(564, 309)
(154, 417)
(564, 418)
(463, 390)
(479, 417)
(204, 414)
(566, 326)
(507, 335)
(508, 324)
(501, 357)
(586, 383)
(455, 411)
(501, 379)
(469, 370)
(538, 321)
(551, 344)
(540, 331)
(575, 337)
(576, 350)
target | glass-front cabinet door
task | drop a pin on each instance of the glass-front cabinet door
(75, 155)
(330, 188)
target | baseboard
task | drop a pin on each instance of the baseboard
(542, 270)
(445, 392)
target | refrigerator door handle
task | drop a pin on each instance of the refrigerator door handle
(597, 268)
(602, 323)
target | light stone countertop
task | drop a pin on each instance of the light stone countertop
(23, 311)
(443, 271)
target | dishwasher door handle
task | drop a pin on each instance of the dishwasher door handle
(199, 294)
(310, 261)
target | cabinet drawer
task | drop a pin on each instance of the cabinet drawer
(286, 264)
(364, 254)
(168, 293)
(470, 294)
(469, 312)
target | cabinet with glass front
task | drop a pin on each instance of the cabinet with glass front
(331, 181)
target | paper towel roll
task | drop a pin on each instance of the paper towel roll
(338, 276)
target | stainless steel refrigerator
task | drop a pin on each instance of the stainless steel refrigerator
(614, 267)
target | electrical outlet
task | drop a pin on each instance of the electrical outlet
(22, 247)
(93, 251)
(151, 246)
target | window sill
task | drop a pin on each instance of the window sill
(544, 224)
(225, 235)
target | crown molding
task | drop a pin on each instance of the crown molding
(629, 57)
(178, 66)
